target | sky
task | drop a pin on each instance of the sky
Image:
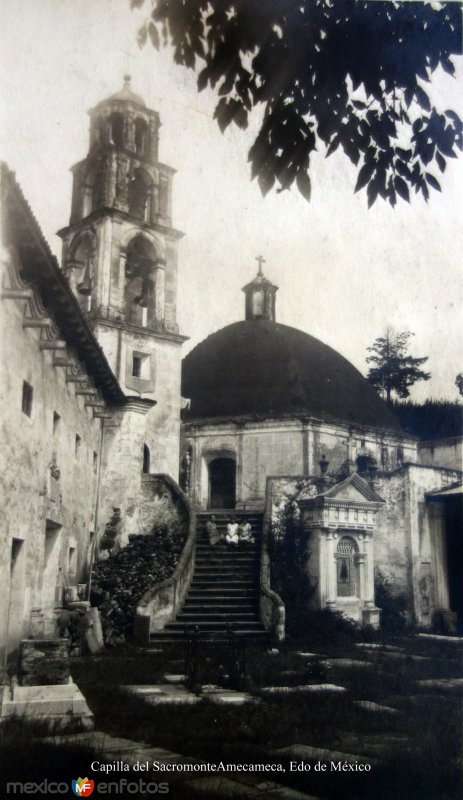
(345, 272)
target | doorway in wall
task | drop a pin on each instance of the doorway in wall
(222, 483)
(50, 574)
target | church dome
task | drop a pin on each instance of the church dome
(263, 369)
(127, 95)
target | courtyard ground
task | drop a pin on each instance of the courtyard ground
(352, 719)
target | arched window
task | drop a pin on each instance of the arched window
(146, 459)
(140, 195)
(258, 304)
(88, 193)
(140, 282)
(141, 137)
(116, 122)
(346, 568)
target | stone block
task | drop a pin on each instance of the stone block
(61, 705)
(370, 616)
(44, 662)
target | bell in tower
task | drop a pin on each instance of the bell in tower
(260, 296)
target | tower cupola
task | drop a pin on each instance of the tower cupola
(260, 296)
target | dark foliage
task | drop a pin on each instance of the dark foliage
(434, 419)
(335, 73)
(119, 582)
(393, 606)
(393, 371)
(288, 557)
(459, 382)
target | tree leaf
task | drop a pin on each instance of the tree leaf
(364, 175)
(401, 188)
(422, 98)
(303, 184)
(433, 182)
(441, 163)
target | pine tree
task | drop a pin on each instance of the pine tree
(459, 382)
(393, 371)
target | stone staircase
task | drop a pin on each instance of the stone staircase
(224, 593)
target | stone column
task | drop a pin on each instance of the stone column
(360, 560)
(369, 589)
(330, 566)
(160, 289)
(439, 554)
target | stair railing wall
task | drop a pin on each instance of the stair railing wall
(271, 606)
(160, 604)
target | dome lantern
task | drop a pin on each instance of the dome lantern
(260, 296)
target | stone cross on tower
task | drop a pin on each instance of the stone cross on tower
(260, 260)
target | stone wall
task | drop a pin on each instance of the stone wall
(49, 473)
(409, 542)
(442, 453)
(284, 447)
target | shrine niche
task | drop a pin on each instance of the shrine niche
(340, 524)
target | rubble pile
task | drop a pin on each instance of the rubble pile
(119, 581)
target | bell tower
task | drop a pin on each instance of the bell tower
(120, 256)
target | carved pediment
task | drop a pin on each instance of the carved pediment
(352, 490)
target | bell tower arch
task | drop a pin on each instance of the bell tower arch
(120, 257)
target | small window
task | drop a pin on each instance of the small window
(141, 365)
(95, 462)
(136, 366)
(28, 394)
(56, 422)
(77, 444)
(16, 546)
(400, 456)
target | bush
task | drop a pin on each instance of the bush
(119, 582)
(393, 606)
(288, 557)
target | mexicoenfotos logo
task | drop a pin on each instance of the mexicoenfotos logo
(82, 787)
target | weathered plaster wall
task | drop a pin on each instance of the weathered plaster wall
(410, 538)
(32, 492)
(291, 447)
(442, 453)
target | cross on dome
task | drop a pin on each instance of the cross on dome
(260, 260)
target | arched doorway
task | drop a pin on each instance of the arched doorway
(347, 568)
(222, 483)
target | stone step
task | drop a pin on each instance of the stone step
(244, 550)
(214, 625)
(223, 605)
(169, 637)
(215, 616)
(229, 583)
(227, 572)
(222, 592)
